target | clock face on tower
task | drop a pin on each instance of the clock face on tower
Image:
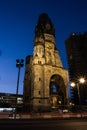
(49, 46)
(48, 26)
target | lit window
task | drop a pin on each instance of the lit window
(54, 89)
(70, 57)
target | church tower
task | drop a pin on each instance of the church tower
(45, 79)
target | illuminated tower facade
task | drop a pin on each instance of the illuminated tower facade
(45, 80)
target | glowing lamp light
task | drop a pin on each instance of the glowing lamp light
(82, 80)
(72, 84)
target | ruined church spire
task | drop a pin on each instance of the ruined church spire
(44, 25)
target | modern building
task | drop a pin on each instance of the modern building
(45, 79)
(8, 101)
(76, 49)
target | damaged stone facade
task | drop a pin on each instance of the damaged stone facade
(45, 79)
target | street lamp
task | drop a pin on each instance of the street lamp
(19, 64)
(73, 84)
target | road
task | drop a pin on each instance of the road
(43, 124)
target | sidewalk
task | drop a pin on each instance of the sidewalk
(51, 115)
(43, 115)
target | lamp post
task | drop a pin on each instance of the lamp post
(73, 84)
(19, 64)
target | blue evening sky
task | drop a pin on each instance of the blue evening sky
(18, 19)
